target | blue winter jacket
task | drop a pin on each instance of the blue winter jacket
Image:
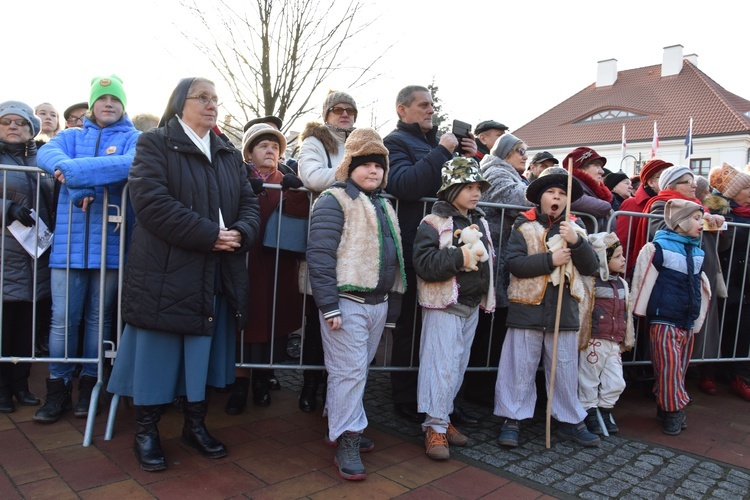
(676, 297)
(90, 159)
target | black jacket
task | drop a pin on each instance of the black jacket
(172, 273)
(416, 160)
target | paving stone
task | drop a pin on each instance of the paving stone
(686, 460)
(567, 487)
(623, 453)
(590, 495)
(661, 452)
(579, 479)
(643, 493)
(604, 467)
(596, 474)
(653, 486)
(615, 460)
(624, 476)
(742, 490)
(518, 471)
(611, 487)
(725, 495)
(708, 475)
(585, 457)
(651, 459)
(710, 466)
(708, 481)
(636, 446)
(688, 493)
(739, 478)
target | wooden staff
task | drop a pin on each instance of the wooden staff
(553, 368)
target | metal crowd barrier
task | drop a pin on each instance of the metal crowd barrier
(296, 363)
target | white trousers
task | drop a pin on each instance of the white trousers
(600, 379)
(347, 353)
(515, 389)
(443, 357)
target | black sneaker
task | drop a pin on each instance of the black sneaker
(674, 422)
(592, 422)
(578, 433)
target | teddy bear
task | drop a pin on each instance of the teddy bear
(471, 237)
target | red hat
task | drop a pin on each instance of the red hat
(652, 167)
(581, 156)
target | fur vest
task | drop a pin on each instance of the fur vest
(441, 294)
(360, 226)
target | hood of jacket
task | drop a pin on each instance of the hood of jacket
(329, 137)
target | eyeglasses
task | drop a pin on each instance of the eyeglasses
(20, 122)
(204, 99)
(74, 119)
(520, 151)
(340, 111)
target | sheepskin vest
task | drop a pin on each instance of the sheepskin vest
(531, 290)
(355, 247)
(441, 294)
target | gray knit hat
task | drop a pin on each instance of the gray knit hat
(24, 111)
(671, 174)
(503, 145)
(335, 97)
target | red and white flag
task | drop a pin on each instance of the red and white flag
(624, 142)
(655, 142)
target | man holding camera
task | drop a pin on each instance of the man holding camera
(416, 157)
(487, 132)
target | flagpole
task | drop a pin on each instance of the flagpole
(689, 142)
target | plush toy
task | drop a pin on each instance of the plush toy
(472, 239)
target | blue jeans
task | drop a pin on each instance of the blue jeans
(83, 297)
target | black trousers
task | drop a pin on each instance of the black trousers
(488, 340)
(17, 324)
(405, 351)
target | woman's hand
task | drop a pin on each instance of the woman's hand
(334, 323)
(228, 240)
(713, 221)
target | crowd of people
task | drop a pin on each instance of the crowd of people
(455, 284)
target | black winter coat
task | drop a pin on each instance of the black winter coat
(172, 273)
(416, 160)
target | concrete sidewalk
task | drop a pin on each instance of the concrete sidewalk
(278, 452)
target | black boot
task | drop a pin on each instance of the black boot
(261, 388)
(85, 386)
(273, 382)
(6, 401)
(308, 397)
(147, 447)
(56, 402)
(238, 397)
(195, 434)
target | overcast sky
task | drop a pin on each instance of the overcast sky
(504, 60)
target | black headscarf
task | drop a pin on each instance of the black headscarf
(176, 101)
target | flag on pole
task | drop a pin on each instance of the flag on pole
(689, 140)
(655, 142)
(624, 142)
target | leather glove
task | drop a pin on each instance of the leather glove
(257, 185)
(290, 181)
(21, 214)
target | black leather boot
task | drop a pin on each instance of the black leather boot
(6, 401)
(195, 434)
(85, 387)
(147, 446)
(261, 388)
(238, 397)
(56, 403)
(308, 396)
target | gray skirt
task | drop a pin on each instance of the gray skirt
(154, 367)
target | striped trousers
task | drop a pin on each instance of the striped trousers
(347, 353)
(515, 389)
(671, 348)
(443, 356)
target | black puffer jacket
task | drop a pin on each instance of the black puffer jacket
(171, 272)
(20, 188)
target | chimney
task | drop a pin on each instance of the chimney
(672, 64)
(693, 58)
(606, 73)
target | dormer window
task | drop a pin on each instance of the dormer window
(610, 114)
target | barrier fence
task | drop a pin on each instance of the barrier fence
(286, 350)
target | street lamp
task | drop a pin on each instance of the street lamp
(636, 162)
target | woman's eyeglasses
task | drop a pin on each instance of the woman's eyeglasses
(204, 99)
(340, 111)
(521, 151)
(20, 122)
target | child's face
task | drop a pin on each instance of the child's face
(468, 197)
(553, 201)
(617, 262)
(696, 225)
(368, 176)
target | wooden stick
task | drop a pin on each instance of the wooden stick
(553, 368)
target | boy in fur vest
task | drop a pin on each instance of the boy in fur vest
(600, 378)
(354, 256)
(539, 263)
(453, 282)
(670, 288)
